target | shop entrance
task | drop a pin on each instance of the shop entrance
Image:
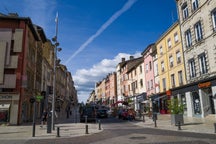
(196, 104)
(212, 104)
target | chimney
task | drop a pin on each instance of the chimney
(131, 57)
(123, 59)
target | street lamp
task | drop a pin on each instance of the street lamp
(56, 44)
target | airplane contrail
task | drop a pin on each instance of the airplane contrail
(117, 14)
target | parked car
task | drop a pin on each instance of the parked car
(102, 113)
(89, 112)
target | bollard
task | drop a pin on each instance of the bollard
(33, 130)
(99, 124)
(155, 122)
(58, 132)
(143, 118)
(86, 127)
(179, 125)
(155, 119)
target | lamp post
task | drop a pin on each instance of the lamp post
(54, 71)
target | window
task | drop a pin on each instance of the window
(151, 84)
(171, 61)
(195, 4)
(192, 68)
(176, 37)
(169, 43)
(188, 38)
(214, 19)
(135, 72)
(178, 57)
(198, 31)
(202, 63)
(140, 69)
(164, 84)
(146, 67)
(148, 84)
(185, 13)
(180, 78)
(162, 66)
(150, 65)
(141, 83)
(161, 50)
(173, 80)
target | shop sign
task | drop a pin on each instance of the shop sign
(168, 93)
(204, 85)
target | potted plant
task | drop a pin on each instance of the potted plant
(176, 109)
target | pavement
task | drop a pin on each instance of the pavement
(191, 124)
(74, 129)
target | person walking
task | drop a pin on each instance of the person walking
(44, 118)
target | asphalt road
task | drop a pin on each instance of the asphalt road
(123, 132)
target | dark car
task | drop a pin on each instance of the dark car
(88, 113)
(102, 113)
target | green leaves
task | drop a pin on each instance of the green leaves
(175, 106)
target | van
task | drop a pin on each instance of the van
(89, 112)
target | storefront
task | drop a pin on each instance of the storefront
(9, 108)
(199, 97)
(141, 102)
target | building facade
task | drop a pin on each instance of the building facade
(197, 22)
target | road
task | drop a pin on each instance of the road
(123, 132)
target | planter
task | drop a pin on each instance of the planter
(176, 118)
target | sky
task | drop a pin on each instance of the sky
(95, 34)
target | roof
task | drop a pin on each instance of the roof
(27, 20)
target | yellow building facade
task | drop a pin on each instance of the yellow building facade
(170, 59)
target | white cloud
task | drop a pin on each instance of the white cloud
(85, 79)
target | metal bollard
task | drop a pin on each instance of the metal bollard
(143, 118)
(155, 122)
(33, 130)
(179, 125)
(99, 124)
(86, 127)
(58, 132)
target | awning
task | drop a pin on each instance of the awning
(160, 97)
(4, 106)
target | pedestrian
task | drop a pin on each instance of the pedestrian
(44, 118)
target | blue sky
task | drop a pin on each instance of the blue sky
(95, 34)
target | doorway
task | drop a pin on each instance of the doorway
(196, 104)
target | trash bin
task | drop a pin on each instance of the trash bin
(49, 122)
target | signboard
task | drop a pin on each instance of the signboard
(204, 85)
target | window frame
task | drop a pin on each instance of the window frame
(213, 16)
(198, 31)
(185, 11)
(195, 4)
(188, 38)
(192, 68)
(202, 64)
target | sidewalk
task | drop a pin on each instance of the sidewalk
(65, 130)
(191, 124)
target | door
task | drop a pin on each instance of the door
(196, 104)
